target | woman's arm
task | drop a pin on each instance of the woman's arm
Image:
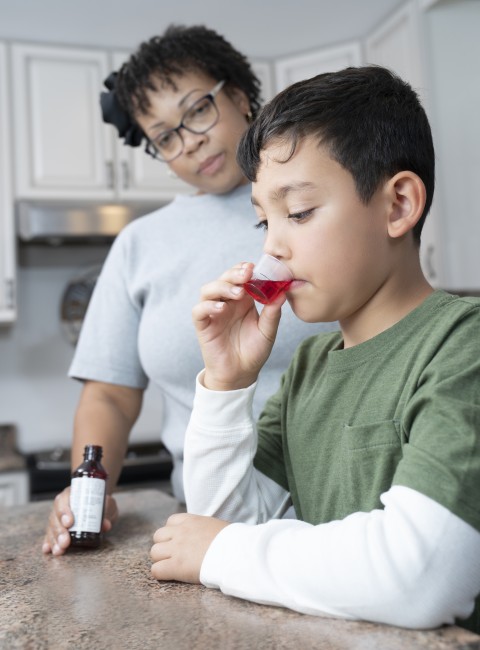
(220, 443)
(105, 416)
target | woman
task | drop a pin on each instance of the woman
(191, 95)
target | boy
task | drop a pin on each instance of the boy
(374, 433)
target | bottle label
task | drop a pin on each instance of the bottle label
(86, 501)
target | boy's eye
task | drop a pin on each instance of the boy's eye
(298, 216)
(262, 225)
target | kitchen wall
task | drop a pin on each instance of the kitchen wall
(35, 393)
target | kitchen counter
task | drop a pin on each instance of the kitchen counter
(106, 599)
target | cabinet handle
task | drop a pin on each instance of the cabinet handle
(10, 293)
(429, 262)
(109, 174)
(125, 175)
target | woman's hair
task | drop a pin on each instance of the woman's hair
(369, 119)
(179, 50)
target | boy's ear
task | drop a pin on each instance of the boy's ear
(406, 195)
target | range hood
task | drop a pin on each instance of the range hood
(56, 223)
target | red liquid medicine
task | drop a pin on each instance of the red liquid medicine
(265, 291)
(87, 499)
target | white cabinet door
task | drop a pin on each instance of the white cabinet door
(396, 44)
(452, 42)
(264, 71)
(63, 150)
(14, 488)
(295, 68)
(142, 177)
(7, 241)
(138, 175)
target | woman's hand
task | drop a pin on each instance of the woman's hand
(57, 537)
(235, 340)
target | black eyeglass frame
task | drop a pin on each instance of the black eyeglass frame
(150, 147)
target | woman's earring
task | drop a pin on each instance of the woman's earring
(249, 116)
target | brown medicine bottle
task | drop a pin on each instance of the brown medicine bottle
(87, 499)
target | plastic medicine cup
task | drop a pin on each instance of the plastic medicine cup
(270, 277)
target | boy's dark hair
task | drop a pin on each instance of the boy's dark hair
(371, 121)
(183, 49)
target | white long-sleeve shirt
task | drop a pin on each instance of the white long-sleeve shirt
(413, 564)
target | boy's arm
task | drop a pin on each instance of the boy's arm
(414, 564)
(220, 445)
(221, 440)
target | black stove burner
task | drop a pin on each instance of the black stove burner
(49, 471)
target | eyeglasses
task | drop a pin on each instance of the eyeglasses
(199, 118)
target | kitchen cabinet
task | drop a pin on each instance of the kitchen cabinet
(452, 47)
(397, 44)
(138, 175)
(412, 41)
(64, 150)
(7, 247)
(14, 488)
(264, 72)
(290, 69)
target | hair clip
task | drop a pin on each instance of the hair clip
(113, 113)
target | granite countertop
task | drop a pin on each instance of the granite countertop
(106, 599)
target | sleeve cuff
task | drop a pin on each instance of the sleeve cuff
(218, 553)
(214, 409)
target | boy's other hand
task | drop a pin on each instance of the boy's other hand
(181, 545)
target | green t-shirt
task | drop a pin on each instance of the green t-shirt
(402, 408)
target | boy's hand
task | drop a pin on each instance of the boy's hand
(57, 537)
(235, 340)
(181, 545)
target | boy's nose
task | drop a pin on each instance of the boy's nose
(276, 246)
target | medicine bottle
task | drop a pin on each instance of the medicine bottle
(87, 499)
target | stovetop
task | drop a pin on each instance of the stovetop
(144, 464)
(138, 454)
